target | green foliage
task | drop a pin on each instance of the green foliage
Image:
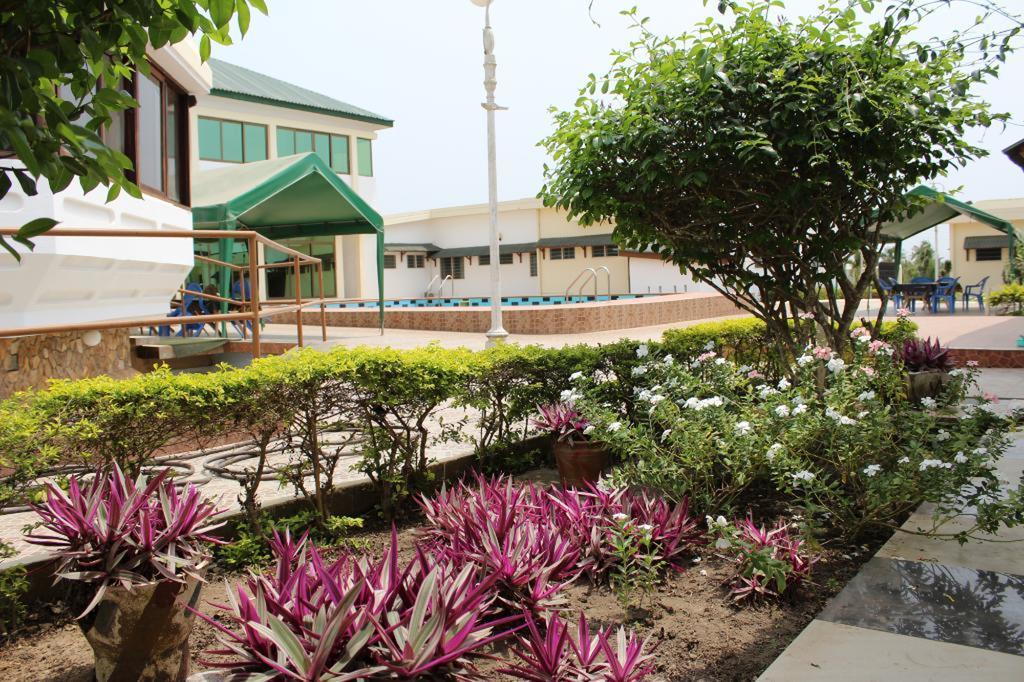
(251, 549)
(13, 587)
(762, 154)
(743, 340)
(1010, 298)
(62, 71)
(637, 568)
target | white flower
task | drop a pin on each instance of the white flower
(799, 409)
(766, 391)
(932, 464)
(722, 543)
(942, 435)
(862, 414)
(866, 395)
(720, 361)
(742, 428)
(642, 350)
(863, 339)
(590, 429)
(720, 522)
(710, 345)
(928, 403)
(665, 434)
(834, 415)
(575, 375)
(698, 404)
(619, 516)
(981, 451)
(639, 370)
(782, 410)
(836, 365)
(784, 384)
(872, 469)
(605, 485)
(798, 401)
(805, 360)
(803, 476)
(955, 372)
(668, 361)
(569, 396)
(960, 458)
(655, 399)
(773, 450)
(903, 460)
(646, 527)
(614, 426)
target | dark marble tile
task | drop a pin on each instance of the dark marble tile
(981, 609)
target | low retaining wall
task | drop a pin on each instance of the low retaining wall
(31, 361)
(993, 359)
(551, 319)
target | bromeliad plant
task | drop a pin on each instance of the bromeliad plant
(921, 355)
(358, 618)
(769, 562)
(562, 421)
(116, 531)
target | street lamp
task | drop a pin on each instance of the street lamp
(497, 333)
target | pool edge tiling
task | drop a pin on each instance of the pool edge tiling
(569, 318)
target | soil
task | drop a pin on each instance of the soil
(697, 632)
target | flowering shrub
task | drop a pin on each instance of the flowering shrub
(113, 530)
(357, 618)
(836, 437)
(768, 562)
(552, 653)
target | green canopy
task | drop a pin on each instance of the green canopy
(940, 208)
(290, 196)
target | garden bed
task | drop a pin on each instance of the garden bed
(698, 632)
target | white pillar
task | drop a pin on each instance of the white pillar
(497, 333)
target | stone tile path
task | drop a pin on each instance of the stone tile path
(925, 608)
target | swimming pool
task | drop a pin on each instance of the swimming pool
(485, 301)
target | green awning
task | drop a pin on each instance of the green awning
(286, 197)
(577, 240)
(503, 249)
(941, 209)
(996, 241)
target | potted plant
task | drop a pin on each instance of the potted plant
(138, 551)
(928, 365)
(580, 460)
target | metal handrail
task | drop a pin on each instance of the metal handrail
(430, 284)
(257, 312)
(440, 287)
(592, 275)
(608, 280)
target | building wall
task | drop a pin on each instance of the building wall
(655, 276)
(29, 362)
(965, 265)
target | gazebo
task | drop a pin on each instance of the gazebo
(291, 196)
(940, 208)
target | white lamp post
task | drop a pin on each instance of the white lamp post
(497, 333)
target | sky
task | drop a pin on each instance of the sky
(419, 62)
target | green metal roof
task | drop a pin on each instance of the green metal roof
(285, 197)
(940, 209)
(577, 240)
(236, 82)
(503, 249)
(418, 248)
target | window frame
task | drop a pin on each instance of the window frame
(331, 137)
(393, 261)
(359, 157)
(415, 261)
(506, 259)
(454, 266)
(988, 252)
(221, 122)
(533, 264)
(484, 260)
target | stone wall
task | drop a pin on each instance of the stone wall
(30, 361)
(548, 319)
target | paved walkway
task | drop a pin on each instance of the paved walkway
(924, 608)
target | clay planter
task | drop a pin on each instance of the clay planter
(926, 384)
(142, 634)
(580, 463)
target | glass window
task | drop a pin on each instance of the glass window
(113, 132)
(597, 251)
(150, 164)
(505, 259)
(568, 252)
(303, 141)
(452, 265)
(173, 172)
(364, 149)
(533, 264)
(990, 254)
(339, 154)
(322, 146)
(415, 261)
(209, 139)
(285, 142)
(485, 260)
(231, 141)
(611, 250)
(390, 261)
(255, 142)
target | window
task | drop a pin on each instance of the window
(232, 141)
(485, 260)
(415, 261)
(505, 259)
(563, 253)
(390, 261)
(605, 251)
(533, 264)
(452, 265)
(364, 150)
(995, 253)
(154, 135)
(333, 149)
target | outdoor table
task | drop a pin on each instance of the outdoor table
(922, 291)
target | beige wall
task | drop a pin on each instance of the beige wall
(969, 270)
(556, 275)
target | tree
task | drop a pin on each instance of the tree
(761, 155)
(62, 66)
(921, 262)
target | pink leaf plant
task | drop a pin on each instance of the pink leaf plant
(562, 420)
(116, 531)
(769, 562)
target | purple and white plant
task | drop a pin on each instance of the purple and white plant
(563, 421)
(113, 530)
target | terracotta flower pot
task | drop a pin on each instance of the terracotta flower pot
(142, 633)
(580, 463)
(926, 384)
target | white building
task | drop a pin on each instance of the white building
(543, 254)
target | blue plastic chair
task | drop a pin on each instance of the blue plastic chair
(975, 291)
(885, 285)
(945, 291)
(188, 302)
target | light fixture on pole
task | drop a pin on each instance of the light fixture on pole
(497, 332)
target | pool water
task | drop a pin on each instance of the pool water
(485, 301)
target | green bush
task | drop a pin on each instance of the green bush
(1010, 298)
(743, 340)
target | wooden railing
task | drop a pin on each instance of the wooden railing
(257, 309)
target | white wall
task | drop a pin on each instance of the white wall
(654, 276)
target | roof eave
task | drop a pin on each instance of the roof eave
(383, 122)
